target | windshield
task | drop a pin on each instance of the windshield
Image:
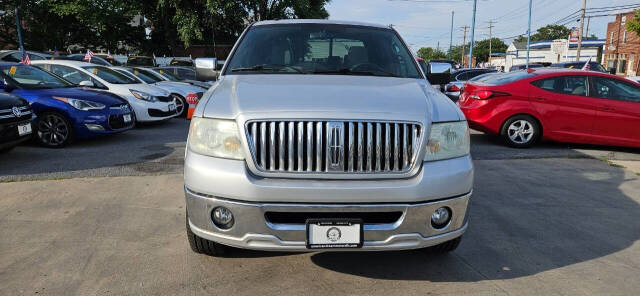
(145, 76)
(110, 75)
(168, 75)
(140, 61)
(187, 63)
(33, 78)
(322, 49)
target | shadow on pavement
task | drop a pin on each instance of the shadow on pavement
(134, 149)
(526, 217)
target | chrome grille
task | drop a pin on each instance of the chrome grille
(346, 147)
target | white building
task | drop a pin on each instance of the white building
(541, 52)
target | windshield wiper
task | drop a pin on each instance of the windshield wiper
(347, 71)
(265, 67)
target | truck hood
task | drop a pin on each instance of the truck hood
(327, 96)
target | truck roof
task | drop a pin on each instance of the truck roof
(317, 21)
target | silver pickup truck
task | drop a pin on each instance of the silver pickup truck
(325, 135)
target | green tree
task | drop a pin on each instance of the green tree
(549, 32)
(481, 49)
(634, 23)
(428, 53)
(194, 20)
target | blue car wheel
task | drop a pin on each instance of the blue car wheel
(54, 130)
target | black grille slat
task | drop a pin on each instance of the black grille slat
(301, 217)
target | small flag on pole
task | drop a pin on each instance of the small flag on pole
(586, 66)
(25, 58)
(109, 56)
(88, 56)
(69, 51)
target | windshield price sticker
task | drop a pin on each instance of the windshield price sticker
(12, 70)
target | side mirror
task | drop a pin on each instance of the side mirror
(439, 78)
(206, 69)
(86, 83)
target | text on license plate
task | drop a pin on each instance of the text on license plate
(334, 233)
(24, 129)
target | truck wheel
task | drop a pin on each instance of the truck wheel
(446, 247)
(203, 246)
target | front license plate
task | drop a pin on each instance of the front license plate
(334, 233)
(127, 118)
(172, 107)
(24, 129)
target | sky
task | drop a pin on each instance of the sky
(427, 22)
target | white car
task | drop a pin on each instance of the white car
(180, 90)
(149, 103)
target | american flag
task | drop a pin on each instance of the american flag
(25, 58)
(586, 66)
(109, 56)
(88, 56)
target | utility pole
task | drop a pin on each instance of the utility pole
(438, 46)
(451, 38)
(473, 29)
(464, 43)
(491, 22)
(584, 7)
(18, 27)
(588, 21)
(529, 33)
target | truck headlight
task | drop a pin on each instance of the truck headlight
(215, 137)
(447, 140)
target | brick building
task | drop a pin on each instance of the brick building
(622, 48)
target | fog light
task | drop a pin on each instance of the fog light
(440, 218)
(94, 127)
(222, 217)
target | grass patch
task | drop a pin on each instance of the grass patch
(611, 163)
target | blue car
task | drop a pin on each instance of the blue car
(64, 111)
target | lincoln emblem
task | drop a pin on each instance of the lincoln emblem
(335, 141)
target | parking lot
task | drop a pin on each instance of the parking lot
(106, 217)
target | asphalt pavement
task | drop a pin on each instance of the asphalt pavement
(547, 227)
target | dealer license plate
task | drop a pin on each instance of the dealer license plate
(334, 233)
(24, 129)
(127, 118)
(172, 107)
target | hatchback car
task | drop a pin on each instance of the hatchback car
(560, 105)
(64, 111)
(149, 103)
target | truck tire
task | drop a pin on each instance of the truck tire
(447, 246)
(203, 246)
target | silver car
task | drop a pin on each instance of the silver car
(302, 146)
(459, 78)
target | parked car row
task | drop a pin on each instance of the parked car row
(72, 99)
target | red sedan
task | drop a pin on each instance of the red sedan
(561, 105)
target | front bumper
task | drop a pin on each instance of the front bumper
(212, 182)
(253, 230)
